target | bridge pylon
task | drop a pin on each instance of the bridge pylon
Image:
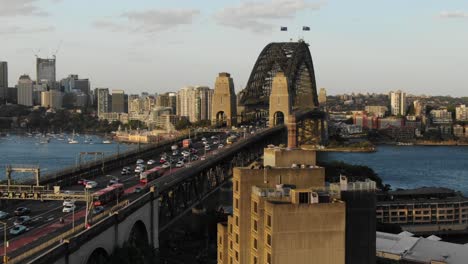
(224, 103)
(280, 107)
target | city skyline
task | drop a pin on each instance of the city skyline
(346, 40)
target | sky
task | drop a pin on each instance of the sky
(419, 46)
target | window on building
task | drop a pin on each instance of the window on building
(255, 225)
(237, 256)
(230, 229)
(255, 260)
(231, 260)
(268, 218)
(236, 203)
(255, 207)
(269, 240)
(255, 243)
(220, 240)
(268, 258)
(304, 197)
(230, 244)
(220, 255)
(236, 186)
(237, 238)
(237, 220)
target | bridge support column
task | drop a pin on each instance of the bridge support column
(292, 132)
(224, 103)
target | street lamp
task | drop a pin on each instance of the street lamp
(5, 258)
(87, 205)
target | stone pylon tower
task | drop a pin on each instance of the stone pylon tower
(280, 101)
(224, 103)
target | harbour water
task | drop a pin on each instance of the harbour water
(51, 156)
(413, 166)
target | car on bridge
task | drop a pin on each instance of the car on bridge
(166, 165)
(180, 164)
(22, 220)
(68, 202)
(22, 211)
(18, 230)
(4, 215)
(91, 184)
(69, 208)
(151, 162)
(98, 210)
(140, 161)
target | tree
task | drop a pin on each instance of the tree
(182, 124)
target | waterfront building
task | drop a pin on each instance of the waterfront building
(441, 116)
(461, 113)
(3, 80)
(52, 99)
(458, 131)
(376, 110)
(322, 96)
(45, 71)
(398, 103)
(424, 210)
(113, 116)
(407, 248)
(103, 100)
(25, 90)
(274, 204)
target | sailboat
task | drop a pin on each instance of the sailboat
(106, 141)
(73, 140)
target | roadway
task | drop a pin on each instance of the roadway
(45, 215)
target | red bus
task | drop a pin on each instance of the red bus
(186, 143)
(108, 194)
(152, 174)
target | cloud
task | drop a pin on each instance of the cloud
(453, 14)
(11, 8)
(150, 21)
(16, 30)
(261, 16)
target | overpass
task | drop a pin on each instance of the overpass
(281, 87)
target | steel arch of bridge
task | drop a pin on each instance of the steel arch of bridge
(294, 59)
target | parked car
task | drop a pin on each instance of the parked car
(22, 211)
(91, 184)
(17, 230)
(179, 164)
(69, 208)
(4, 215)
(98, 210)
(68, 202)
(150, 162)
(22, 220)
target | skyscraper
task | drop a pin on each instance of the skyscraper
(203, 97)
(52, 99)
(167, 100)
(118, 101)
(3, 80)
(103, 100)
(398, 103)
(322, 97)
(45, 71)
(195, 103)
(25, 90)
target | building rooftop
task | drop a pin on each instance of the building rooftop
(422, 195)
(419, 249)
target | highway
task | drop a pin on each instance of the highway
(45, 215)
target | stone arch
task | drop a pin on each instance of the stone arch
(221, 119)
(138, 235)
(98, 256)
(278, 118)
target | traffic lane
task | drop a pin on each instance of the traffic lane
(130, 181)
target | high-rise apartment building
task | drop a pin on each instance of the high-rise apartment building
(376, 110)
(398, 103)
(322, 97)
(52, 99)
(118, 101)
(103, 100)
(3, 80)
(418, 108)
(461, 113)
(25, 90)
(194, 103)
(167, 100)
(45, 71)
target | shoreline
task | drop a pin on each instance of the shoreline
(433, 144)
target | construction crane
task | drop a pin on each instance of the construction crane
(58, 49)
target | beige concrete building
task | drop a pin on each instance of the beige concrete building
(280, 100)
(224, 103)
(194, 103)
(25, 91)
(51, 99)
(322, 96)
(397, 103)
(283, 213)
